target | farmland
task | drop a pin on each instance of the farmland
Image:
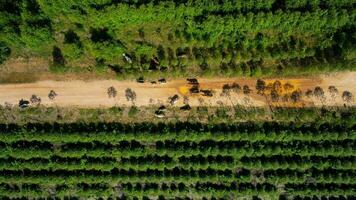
(294, 153)
(182, 160)
(178, 99)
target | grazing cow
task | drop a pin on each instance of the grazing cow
(162, 108)
(140, 80)
(207, 93)
(173, 99)
(162, 81)
(192, 81)
(194, 89)
(52, 94)
(186, 107)
(23, 103)
(127, 58)
(160, 114)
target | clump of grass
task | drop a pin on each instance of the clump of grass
(18, 77)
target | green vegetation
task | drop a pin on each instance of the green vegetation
(201, 114)
(4, 52)
(250, 37)
(211, 153)
(221, 152)
(183, 160)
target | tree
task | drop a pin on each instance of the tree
(347, 96)
(319, 93)
(260, 86)
(309, 93)
(274, 95)
(296, 96)
(130, 95)
(333, 91)
(225, 90)
(288, 87)
(35, 99)
(277, 86)
(112, 92)
(58, 58)
(236, 87)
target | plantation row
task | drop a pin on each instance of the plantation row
(108, 163)
(196, 136)
(147, 186)
(231, 5)
(190, 175)
(182, 160)
(173, 190)
(348, 124)
(176, 149)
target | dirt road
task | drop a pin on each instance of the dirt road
(94, 93)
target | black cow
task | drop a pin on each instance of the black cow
(23, 103)
(173, 99)
(140, 80)
(162, 80)
(192, 81)
(186, 107)
(207, 93)
(194, 89)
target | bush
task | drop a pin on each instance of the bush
(58, 58)
(133, 111)
(5, 52)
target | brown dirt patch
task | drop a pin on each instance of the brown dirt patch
(93, 93)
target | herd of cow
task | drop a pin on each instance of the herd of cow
(36, 100)
(195, 89)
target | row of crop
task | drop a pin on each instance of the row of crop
(154, 189)
(298, 162)
(147, 188)
(147, 136)
(121, 175)
(253, 162)
(227, 7)
(274, 177)
(156, 159)
(173, 143)
(175, 149)
(178, 127)
(306, 176)
(322, 197)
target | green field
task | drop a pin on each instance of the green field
(278, 159)
(235, 38)
(264, 160)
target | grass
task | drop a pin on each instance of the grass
(18, 77)
(203, 114)
(191, 70)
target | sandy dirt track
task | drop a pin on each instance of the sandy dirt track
(94, 93)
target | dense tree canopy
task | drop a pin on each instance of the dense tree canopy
(249, 37)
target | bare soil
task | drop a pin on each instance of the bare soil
(94, 93)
